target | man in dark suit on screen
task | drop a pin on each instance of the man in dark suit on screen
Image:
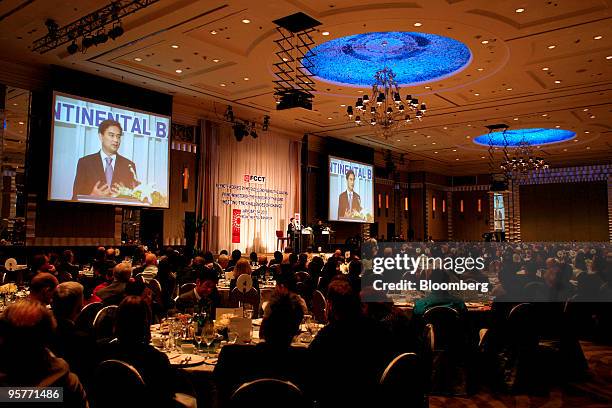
(349, 202)
(101, 174)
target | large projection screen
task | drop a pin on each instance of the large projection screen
(108, 154)
(351, 190)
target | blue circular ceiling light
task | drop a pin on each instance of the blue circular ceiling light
(413, 57)
(533, 136)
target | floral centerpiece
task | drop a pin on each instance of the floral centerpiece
(8, 288)
(145, 193)
(222, 324)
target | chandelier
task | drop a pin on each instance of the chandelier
(523, 160)
(386, 113)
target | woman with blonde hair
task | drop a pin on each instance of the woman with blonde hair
(242, 267)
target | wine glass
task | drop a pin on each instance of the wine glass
(197, 336)
(208, 333)
(232, 336)
(248, 310)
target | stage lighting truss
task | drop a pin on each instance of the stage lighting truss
(90, 27)
(294, 85)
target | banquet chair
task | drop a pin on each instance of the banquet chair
(280, 240)
(446, 351)
(404, 376)
(252, 296)
(156, 288)
(186, 287)
(283, 393)
(104, 321)
(117, 383)
(319, 307)
(85, 319)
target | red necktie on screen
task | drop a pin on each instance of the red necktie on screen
(108, 172)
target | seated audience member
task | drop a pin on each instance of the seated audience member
(167, 280)
(352, 369)
(38, 262)
(300, 265)
(236, 256)
(286, 284)
(69, 343)
(26, 330)
(242, 267)
(272, 358)
(114, 293)
(209, 261)
(42, 287)
(557, 281)
(354, 275)
(278, 258)
(190, 272)
(224, 252)
(330, 270)
(66, 269)
(253, 258)
(132, 328)
(150, 270)
(438, 297)
(139, 256)
(314, 268)
(108, 280)
(204, 297)
(262, 261)
(223, 261)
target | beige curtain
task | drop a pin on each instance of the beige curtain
(275, 158)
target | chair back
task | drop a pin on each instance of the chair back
(251, 394)
(279, 234)
(156, 288)
(252, 297)
(186, 287)
(522, 328)
(85, 319)
(446, 325)
(319, 307)
(404, 376)
(104, 322)
(302, 276)
(128, 387)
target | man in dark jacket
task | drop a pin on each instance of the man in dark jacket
(114, 293)
(204, 296)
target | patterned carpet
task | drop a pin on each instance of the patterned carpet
(595, 392)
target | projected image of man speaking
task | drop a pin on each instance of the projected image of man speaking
(349, 202)
(102, 174)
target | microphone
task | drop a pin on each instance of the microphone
(133, 172)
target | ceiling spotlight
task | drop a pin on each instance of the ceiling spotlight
(588, 147)
(586, 132)
(515, 119)
(609, 57)
(508, 89)
(480, 69)
(325, 33)
(246, 78)
(246, 21)
(544, 115)
(598, 37)
(100, 38)
(550, 47)
(73, 48)
(137, 59)
(222, 85)
(239, 131)
(484, 42)
(115, 32)
(330, 118)
(174, 46)
(178, 71)
(266, 123)
(229, 114)
(519, 10)
(585, 110)
(213, 32)
(557, 126)
(417, 24)
(215, 60)
(545, 69)
(436, 152)
(253, 133)
(592, 116)
(557, 82)
(457, 158)
(454, 150)
(87, 42)
(476, 94)
(482, 157)
(21, 123)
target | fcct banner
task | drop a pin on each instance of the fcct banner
(235, 226)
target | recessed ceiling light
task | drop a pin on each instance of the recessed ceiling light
(457, 158)
(557, 126)
(598, 37)
(222, 85)
(246, 21)
(454, 150)
(588, 148)
(174, 46)
(178, 71)
(413, 145)
(213, 32)
(417, 24)
(433, 143)
(565, 150)
(515, 119)
(557, 81)
(469, 125)
(544, 115)
(575, 140)
(587, 132)
(215, 60)
(246, 78)
(285, 59)
(545, 69)
(508, 89)
(445, 128)
(436, 152)
(482, 157)
(484, 42)
(585, 110)
(342, 105)
(480, 69)
(14, 104)
(428, 136)
(138, 59)
(330, 118)
(325, 33)
(20, 122)
(476, 94)
(360, 91)
(592, 116)
(427, 87)
(468, 137)
(609, 57)
(550, 47)
(398, 140)
(519, 10)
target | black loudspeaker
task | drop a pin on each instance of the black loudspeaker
(190, 229)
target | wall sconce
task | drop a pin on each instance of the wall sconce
(405, 203)
(379, 200)
(461, 206)
(443, 206)
(433, 204)
(185, 191)
(386, 201)
(479, 205)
